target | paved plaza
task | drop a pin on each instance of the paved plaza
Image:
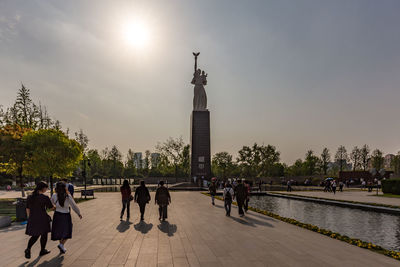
(196, 234)
(352, 195)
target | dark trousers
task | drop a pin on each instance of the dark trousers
(289, 188)
(240, 203)
(43, 241)
(246, 204)
(334, 189)
(163, 211)
(126, 204)
(142, 207)
(228, 205)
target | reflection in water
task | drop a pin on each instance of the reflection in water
(379, 228)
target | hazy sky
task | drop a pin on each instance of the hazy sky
(296, 74)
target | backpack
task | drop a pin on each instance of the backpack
(228, 196)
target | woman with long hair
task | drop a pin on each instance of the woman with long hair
(62, 222)
(38, 219)
(126, 194)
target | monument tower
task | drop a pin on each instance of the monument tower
(200, 127)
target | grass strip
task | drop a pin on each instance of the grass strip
(353, 241)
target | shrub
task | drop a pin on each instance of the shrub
(391, 186)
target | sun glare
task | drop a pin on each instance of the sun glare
(136, 33)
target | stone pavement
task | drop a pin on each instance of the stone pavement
(196, 234)
(359, 196)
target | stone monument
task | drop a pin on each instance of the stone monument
(200, 128)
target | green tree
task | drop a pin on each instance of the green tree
(324, 160)
(130, 169)
(95, 162)
(115, 157)
(395, 164)
(53, 153)
(14, 152)
(222, 164)
(377, 159)
(269, 157)
(297, 169)
(171, 154)
(310, 163)
(365, 157)
(341, 157)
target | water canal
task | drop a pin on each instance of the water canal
(378, 228)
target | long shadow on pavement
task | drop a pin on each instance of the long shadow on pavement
(167, 228)
(143, 227)
(123, 226)
(56, 261)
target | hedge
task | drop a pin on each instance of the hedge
(391, 186)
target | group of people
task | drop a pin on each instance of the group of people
(239, 190)
(142, 197)
(40, 222)
(331, 185)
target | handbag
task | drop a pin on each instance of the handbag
(130, 198)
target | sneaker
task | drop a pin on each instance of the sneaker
(62, 249)
(27, 253)
(44, 252)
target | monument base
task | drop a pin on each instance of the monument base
(200, 145)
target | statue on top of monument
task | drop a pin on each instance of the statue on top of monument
(199, 80)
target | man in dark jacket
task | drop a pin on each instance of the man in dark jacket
(213, 191)
(142, 197)
(241, 195)
(162, 199)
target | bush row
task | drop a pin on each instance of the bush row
(391, 186)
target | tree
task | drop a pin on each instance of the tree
(377, 159)
(171, 153)
(269, 157)
(13, 151)
(395, 164)
(341, 157)
(365, 157)
(95, 162)
(247, 162)
(115, 158)
(310, 162)
(355, 157)
(297, 169)
(185, 166)
(325, 159)
(82, 139)
(222, 164)
(53, 153)
(130, 169)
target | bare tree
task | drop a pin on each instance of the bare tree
(365, 157)
(341, 157)
(355, 157)
(325, 159)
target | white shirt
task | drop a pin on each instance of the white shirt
(230, 191)
(69, 202)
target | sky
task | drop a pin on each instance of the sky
(299, 74)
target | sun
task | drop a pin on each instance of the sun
(136, 34)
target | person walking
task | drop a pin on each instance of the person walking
(142, 197)
(163, 199)
(213, 191)
(70, 187)
(333, 185)
(248, 190)
(62, 222)
(126, 194)
(341, 185)
(228, 195)
(38, 219)
(289, 186)
(240, 194)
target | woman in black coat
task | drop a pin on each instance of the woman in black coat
(142, 197)
(38, 219)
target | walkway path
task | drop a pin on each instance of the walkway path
(359, 196)
(196, 234)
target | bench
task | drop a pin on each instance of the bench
(89, 193)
